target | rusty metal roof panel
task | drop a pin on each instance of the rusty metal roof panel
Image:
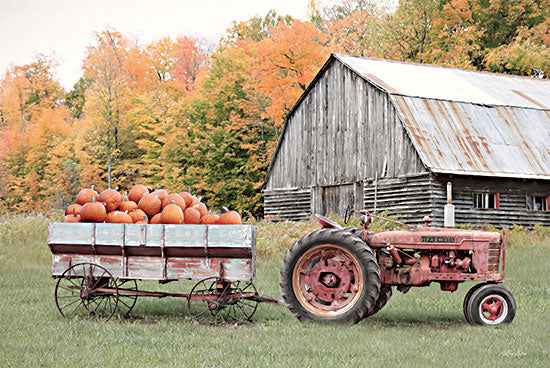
(465, 138)
(453, 84)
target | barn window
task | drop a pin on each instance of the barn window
(537, 203)
(486, 200)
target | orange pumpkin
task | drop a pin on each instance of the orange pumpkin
(127, 205)
(111, 198)
(74, 217)
(119, 217)
(172, 214)
(137, 192)
(85, 195)
(144, 221)
(108, 217)
(209, 219)
(191, 216)
(93, 212)
(174, 198)
(137, 215)
(150, 204)
(202, 209)
(229, 218)
(195, 201)
(73, 208)
(161, 193)
(187, 197)
(155, 219)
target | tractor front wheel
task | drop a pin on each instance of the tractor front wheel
(491, 305)
(330, 275)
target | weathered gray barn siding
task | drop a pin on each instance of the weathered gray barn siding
(416, 196)
(512, 196)
(342, 131)
(287, 204)
(412, 197)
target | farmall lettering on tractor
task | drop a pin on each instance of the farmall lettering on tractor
(340, 274)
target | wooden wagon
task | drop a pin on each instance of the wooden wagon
(97, 267)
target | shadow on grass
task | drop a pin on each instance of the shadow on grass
(415, 320)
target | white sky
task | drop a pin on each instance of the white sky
(65, 27)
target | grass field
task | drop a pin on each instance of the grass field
(424, 328)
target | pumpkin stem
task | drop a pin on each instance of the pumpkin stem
(200, 198)
(92, 187)
(145, 219)
(196, 206)
(93, 199)
(74, 212)
(225, 209)
(173, 202)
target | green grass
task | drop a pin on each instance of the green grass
(423, 328)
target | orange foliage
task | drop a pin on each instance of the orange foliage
(286, 62)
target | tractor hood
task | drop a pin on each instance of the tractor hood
(427, 237)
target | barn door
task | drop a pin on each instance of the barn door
(336, 199)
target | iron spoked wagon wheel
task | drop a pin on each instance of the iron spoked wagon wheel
(249, 305)
(126, 296)
(491, 305)
(330, 275)
(86, 289)
(214, 301)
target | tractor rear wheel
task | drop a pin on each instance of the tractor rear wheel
(330, 275)
(491, 305)
(385, 295)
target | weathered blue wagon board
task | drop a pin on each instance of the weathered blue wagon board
(156, 252)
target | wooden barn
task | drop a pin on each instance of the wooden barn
(386, 135)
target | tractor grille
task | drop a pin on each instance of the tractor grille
(494, 257)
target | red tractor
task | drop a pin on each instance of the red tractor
(340, 274)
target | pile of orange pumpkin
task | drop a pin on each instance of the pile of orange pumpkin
(144, 206)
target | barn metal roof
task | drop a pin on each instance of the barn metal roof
(445, 83)
(467, 122)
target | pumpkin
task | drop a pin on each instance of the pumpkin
(155, 219)
(73, 208)
(172, 214)
(119, 217)
(191, 215)
(74, 217)
(187, 197)
(174, 198)
(108, 217)
(150, 204)
(229, 218)
(127, 205)
(144, 221)
(137, 192)
(137, 215)
(85, 195)
(209, 219)
(201, 207)
(161, 193)
(195, 201)
(111, 198)
(93, 212)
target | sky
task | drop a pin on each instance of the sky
(63, 28)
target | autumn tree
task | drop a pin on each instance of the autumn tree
(354, 28)
(111, 66)
(220, 147)
(285, 62)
